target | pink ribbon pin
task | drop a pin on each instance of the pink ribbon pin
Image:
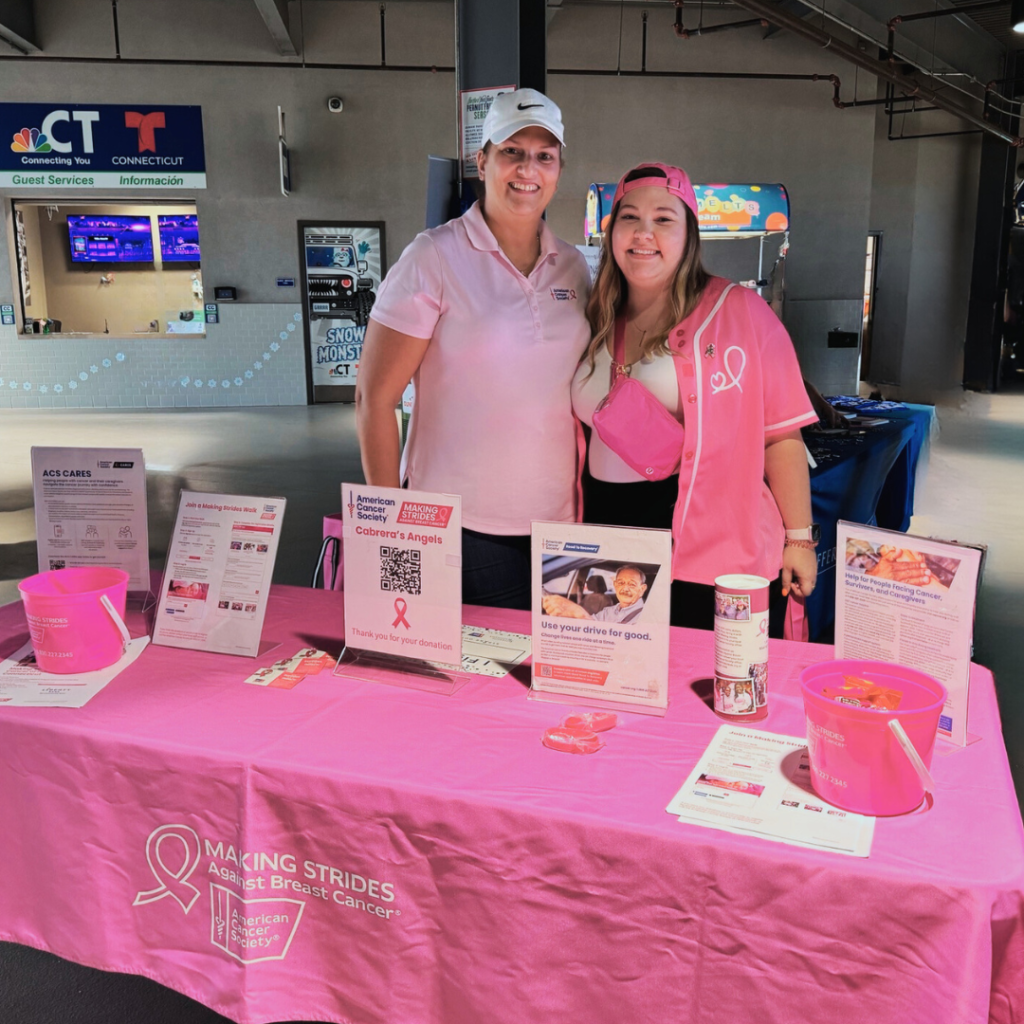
(400, 607)
(172, 882)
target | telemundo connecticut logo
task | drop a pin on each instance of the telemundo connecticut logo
(30, 140)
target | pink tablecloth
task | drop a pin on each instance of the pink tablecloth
(345, 851)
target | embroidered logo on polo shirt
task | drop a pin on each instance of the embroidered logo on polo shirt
(563, 294)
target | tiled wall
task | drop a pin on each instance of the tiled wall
(254, 356)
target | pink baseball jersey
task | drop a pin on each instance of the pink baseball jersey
(739, 384)
(492, 419)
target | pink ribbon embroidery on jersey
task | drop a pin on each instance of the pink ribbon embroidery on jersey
(719, 380)
(400, 607)
(172, 879)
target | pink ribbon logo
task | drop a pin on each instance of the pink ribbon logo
(400, 607)
(173, 882)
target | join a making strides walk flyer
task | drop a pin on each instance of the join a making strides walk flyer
(601, 615)
(403, 573)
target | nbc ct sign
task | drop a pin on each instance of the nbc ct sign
(83, 146)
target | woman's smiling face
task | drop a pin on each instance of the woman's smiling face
(649, 237)
(521, 174)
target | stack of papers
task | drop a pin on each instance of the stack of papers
(23, 684)
(492, 652)
(759, 783)
(289, 672)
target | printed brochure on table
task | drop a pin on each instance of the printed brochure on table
(601, 615)
(759, 783)
(403, 572)
(23, 684)
(909, 600)
(90, 509)
(217, 579)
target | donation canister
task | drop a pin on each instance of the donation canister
(856, 759)
(72, 629)
(741, 646)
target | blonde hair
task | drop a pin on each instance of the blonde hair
(608, 296)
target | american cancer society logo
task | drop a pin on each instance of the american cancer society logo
(30, 140)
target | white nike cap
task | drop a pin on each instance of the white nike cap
(511, 112)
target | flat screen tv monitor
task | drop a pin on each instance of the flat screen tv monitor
(96, 239)
(179, 238)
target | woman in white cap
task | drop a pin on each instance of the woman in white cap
(486, 314)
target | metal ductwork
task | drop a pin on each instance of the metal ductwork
(907, 84)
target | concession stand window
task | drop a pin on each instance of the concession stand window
(87, 268)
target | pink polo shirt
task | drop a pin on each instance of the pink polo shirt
(493, 418)
(739, 384)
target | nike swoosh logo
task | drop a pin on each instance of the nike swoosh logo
(529, 106)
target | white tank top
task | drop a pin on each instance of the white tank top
(656, 373)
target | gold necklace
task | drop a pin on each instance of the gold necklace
(643, 332)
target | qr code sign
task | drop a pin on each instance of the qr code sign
(400, 570)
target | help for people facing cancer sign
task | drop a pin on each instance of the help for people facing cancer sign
(403, 572)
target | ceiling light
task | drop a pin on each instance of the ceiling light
(1017, 15)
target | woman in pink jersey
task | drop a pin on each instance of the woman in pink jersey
(486, 314)
(721, 363)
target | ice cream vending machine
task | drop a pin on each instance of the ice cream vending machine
(342, 268)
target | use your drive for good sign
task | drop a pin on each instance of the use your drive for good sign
(601, 615)
(403, 572)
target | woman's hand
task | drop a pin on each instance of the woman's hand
(799, 570)
(785, 466)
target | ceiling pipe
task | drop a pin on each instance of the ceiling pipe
(880, 69)
(686, 33)
(943, 12)
(948, 75)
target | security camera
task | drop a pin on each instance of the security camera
(335, 104)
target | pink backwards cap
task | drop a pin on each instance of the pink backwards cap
(675, 181)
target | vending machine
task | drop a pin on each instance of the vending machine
(342, 267)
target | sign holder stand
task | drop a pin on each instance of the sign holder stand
(601, 660)
(597, 703)
(263, 645)
(403, 588)
(394, 670)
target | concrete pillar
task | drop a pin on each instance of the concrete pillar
(501, 42)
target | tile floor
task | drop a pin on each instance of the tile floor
(972, 489)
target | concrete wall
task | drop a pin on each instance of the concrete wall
(923, 200)
(369, 163)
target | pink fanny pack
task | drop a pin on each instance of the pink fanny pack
(632, 422)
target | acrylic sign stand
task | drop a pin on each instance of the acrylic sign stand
(394, 670)
(595, 651)
(403, 588)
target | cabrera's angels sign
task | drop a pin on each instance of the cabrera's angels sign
(403, 572)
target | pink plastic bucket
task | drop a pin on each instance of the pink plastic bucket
(856, 760)
(71, 628)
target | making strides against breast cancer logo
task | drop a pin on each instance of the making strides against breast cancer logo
(245, 923)
(250, 930)
(173, 854)
(734, 361)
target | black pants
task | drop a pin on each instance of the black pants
(496, 570)
(650, 505)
